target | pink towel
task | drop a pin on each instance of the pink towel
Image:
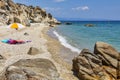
(20, 41)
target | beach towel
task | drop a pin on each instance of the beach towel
(20, 41)
(5, 41)
(12, 41)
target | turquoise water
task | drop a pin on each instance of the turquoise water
(79, 36)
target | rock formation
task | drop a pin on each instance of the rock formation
(31, 69)
(103, 64)
(89, 25)
(33, 51)
(14, 12)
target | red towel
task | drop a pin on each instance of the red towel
(12, 41)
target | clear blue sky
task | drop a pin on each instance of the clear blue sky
(84, 9)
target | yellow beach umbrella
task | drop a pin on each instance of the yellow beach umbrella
(16, 26)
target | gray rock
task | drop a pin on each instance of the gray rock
(17, 20)
(1, 57)
(17, 77)
(26, 22)
(89, 25)
(33, 51)
(32, 69)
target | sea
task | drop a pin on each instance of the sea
(77, 36)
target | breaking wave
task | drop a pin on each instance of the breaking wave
(64, 42)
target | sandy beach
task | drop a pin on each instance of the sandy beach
(48, 48)
(65, 53)
(75, 40)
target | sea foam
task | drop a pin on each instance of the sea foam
(64, 42)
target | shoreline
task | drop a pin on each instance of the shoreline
(55, 49)
(58, 49)
(59, 55)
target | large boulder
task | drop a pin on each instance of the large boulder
(106, 53)
(103, 64)
(32, 69)
(87, 66)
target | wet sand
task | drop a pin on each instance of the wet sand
(59, 54)
(55, 47)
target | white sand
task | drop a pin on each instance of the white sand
(13, 53)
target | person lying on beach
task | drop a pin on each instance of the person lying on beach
(12, 41)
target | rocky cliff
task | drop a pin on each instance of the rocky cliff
(14, 12)
(103, 64)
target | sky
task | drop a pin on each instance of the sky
(79, 9)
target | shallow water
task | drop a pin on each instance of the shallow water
(77, 36)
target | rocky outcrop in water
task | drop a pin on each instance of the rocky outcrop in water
(68, 23)
(89, 25)
(14, 12)
(103, 64)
